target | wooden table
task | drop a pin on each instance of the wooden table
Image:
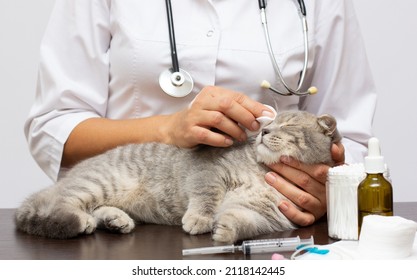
(147, 242)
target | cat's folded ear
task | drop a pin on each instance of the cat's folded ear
(329, 124)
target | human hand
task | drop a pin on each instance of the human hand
(213, 117)
(304, 185)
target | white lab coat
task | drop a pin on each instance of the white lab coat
(103, 58)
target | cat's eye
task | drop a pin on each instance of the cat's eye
(287, 125)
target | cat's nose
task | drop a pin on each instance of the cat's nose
(265, 131)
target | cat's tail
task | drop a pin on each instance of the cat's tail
(41, 215)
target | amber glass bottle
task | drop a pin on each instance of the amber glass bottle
(375, 196)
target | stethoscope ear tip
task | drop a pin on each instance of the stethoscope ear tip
(312, 90)
(265, 84)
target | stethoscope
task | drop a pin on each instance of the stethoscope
(179, 83)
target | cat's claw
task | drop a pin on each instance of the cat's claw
(224, 234)
(89, 226)
(196, 224)
(114, 219)
(119, 223)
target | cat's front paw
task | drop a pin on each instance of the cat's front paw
(196, 224)
(119, 224)
(114, 219)
(224, 234)
(88, 225)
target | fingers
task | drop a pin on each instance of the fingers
(311, 201)
(233, 105)
(216, 116)
(303, 172)
(304, 186)
(293, 214)
(219, 122)
(187, 129)
(338, 153)
(201, 135)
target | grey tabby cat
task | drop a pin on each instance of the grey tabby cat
(205, 189)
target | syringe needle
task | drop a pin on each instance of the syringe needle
(210, 250)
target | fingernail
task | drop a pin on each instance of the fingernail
(243, 137)
(268, 114)
(228, 142)
(283, 207)
(270, 178)
(255, 126)
(285, 159)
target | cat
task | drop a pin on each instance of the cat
(204, 189)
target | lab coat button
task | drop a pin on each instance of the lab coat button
(210, 33)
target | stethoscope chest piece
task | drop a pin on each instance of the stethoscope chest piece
(176, 84)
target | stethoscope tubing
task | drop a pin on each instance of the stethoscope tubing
(171, 30)
(178, 83)
(291, 91)
(174, 81)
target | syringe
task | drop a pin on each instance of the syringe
(254, 246)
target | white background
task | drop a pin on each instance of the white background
(389, 28)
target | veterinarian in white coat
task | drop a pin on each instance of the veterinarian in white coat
(101, 60)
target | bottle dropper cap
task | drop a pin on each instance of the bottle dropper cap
(374, 162)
